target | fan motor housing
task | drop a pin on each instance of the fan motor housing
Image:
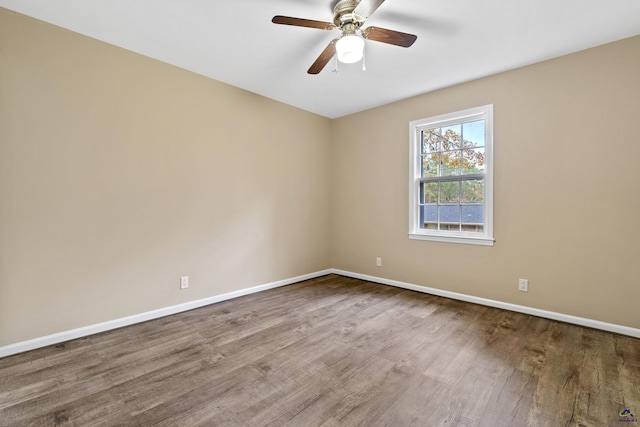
(344, 7)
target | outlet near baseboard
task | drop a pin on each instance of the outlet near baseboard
(523, 285)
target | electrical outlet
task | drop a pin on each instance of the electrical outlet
(379, 262)
(184, 282)
(523, 285)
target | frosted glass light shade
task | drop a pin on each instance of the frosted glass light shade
(350, 49)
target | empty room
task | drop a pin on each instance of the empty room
(328, 213)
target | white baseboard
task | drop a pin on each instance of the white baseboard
(596, 324)
(154, 314)
(143, 317)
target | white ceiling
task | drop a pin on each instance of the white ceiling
(234, 41)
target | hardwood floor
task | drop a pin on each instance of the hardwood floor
(332, 351)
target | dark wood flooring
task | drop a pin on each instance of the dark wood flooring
(332, 351)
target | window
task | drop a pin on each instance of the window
(451, 177)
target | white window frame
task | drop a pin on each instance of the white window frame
(415, 170)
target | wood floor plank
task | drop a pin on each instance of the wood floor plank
(332, 351)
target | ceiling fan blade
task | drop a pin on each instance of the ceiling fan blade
(366, 7)
(301, 22)
(324, 58)
(393, 37)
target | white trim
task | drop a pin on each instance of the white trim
(590, 323)
(84, 331)
(35, 343)
(453, 239)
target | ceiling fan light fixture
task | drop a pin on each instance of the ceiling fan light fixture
(350, 48)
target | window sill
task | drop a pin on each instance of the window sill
(467, 240)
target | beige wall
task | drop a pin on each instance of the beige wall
(567, 187)
(119, 174)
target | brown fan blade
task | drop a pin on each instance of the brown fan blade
(366, 7)
(301, 22)
(324, 58)
(393, 37)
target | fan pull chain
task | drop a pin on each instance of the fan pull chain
(335, 68)
(364, 59)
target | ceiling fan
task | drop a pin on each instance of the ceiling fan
(349, 17)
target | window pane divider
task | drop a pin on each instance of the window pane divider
(451, 178)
